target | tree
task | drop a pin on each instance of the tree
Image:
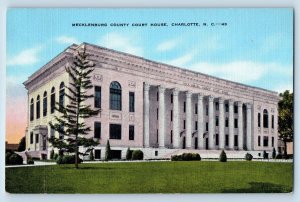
(70, 122)
(274, 153)
(128, 154)
(223, 157)
(286, 118)
(22, 144)
(107, 151)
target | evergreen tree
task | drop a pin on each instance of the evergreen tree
(128, 154)
(107, 151)
(22, 144)
(70, 122)
(223, 157)
(274, 153)
(92, 155)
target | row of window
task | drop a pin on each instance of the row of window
(265, 141)
(115, 131)
(265, 119)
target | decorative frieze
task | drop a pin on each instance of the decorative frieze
(98, 77)
(131, 84)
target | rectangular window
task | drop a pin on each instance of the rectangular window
(157, 96)
(217, 121)
(31, 137)
(97, 130)
(36, 138)
(272, 141)
(115, 131)
(266, 141)
(217, 106)
(226, 107)
(235, 140)
(235, 123)
(258, 121)
(196, 108)
(226, 140)
(226, 122)
(206, 111)
(131, 101)
(171, 98)
(235, 109)
(184, 106)
(171, 115)
(97, 97)
(131, 132)
(97, 153)
(273, 121)
(196, 125)
(217, 139)
(171, 136)
(157, 136)
(258, 141)
(206, 126)
(156, 113)
(183, 124)
(45, 106)
(156, 153)
(52, 103)
(31, 112)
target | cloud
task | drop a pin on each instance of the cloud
(25, 57)
(67, 40)
(283, 87)
(120, 42)
(182, 60)
(167, 45)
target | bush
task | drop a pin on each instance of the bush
(129, 154)
(186, 157)
(248, 157)
(176, 158)
(51, 154)
(137, 155)
(107, 151)
(92, 158)
(7, 155)
(265, 155)
(15, 159)
(196, 157)
(223, 157)
(279, 156)
(55, 156)
(59, 159)
(67, 159)
(30, 161)
(274, 153)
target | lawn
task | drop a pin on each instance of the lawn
(153, 177)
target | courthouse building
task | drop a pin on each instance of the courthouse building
(158, 108)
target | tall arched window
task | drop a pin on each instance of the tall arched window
(266, 119)
(38, 107)
(115, 96)
(61, 95)
(45, 104)
(258, 120)
(52, 101)
(31, 109)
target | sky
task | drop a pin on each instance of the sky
(253, 47)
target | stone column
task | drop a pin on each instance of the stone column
(146, 115)
(188, 113)
(211, 123)
(231, 125)
(221, 124)
(249, 127)
(176, 136)
(200, 122)
(161, 117)
(240, 126)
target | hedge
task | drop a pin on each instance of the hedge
(186, 157)
(137, 155)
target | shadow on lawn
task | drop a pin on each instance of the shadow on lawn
(261, 187)
(87, 168)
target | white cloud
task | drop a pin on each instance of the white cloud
(283, 87)
(67, 40)
(117, 41)
(25, 57)
(182, 60)
(167, 45)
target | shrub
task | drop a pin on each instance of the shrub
(55, 156)
(129, 154)
(265, 155)
(67, 159)
(274, 153)
(15, 159)
(248, 157)
(7, 155)
(59, 159)
(186, 157)
(92, 158)
(107, 151)
(51, 154)
(223, 157)
(279, 156)
(176, 158)
(137, 155)
(30, 161)
(196, 157)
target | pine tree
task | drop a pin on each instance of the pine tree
(107, 151)
(223, 157)
(72, 116)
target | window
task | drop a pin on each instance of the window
(226, 107)
(235, 140)
(226, 122)
(273, 121)
(52, 132)
(31, 137)
(157, 136)
(61, 95)
(115, 131)
(217, 121)
(171, 98)
(45, 104)
(258, 141)
(266, 141)
(266, 119)
(235, 123)
(156, 113)
(183, 124)
(171, 136)
(131, 132)
(206, 110)
(171, 115)
(196, 125)
(235, 109)
(217, 139)
(184, 106)
(97, 99)
(227, 140)
(36, 138)
(156, 153)
(157, 96)
(258, 120)
(31, 110)
(38, 107)
(196, 108)
(115, 96)
(272, 141)
(206, 126)
(217, 106)
(97, 153)
(97, 130)
(52, 100)
(62, 131)
(131, 101)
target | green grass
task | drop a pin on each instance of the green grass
(153, 177)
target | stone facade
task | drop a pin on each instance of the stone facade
(174, 108)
